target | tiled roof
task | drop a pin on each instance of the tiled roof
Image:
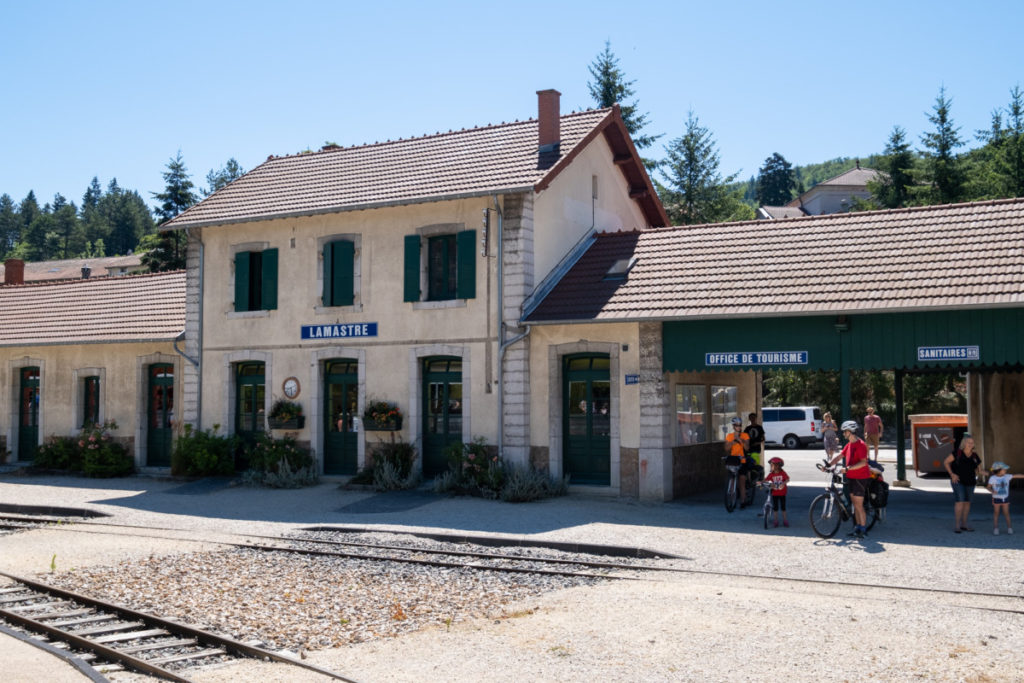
(110, 309)
(71, 269)
(782, 212)
(855, 176)
(952, 256)
(470, 162)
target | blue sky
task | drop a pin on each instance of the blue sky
(117, 88)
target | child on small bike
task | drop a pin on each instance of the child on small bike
(776, 480)
(999, 485)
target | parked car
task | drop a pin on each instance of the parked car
(792, 426)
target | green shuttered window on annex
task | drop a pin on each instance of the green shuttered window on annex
(883, 341)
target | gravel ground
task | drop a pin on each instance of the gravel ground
(675, 627)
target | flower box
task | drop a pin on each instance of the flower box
(293, 423)
(393, 424)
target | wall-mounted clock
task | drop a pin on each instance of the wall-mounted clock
(291, 387)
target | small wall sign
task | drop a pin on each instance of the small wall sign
(632, 379)
(926, 353)
(339, 331)
(755, 358)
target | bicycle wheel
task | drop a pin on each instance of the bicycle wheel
(825, 515)
(870, 515)
(730, 493)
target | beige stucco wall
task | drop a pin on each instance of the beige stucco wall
(565, 212)
(407, 332)
(122, 372)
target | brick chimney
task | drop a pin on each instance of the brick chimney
(14, 271)
(548, 132)
(86, 271)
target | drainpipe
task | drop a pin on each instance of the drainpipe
(197, 362)
(503, 343)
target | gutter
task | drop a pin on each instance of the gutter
(353, 207)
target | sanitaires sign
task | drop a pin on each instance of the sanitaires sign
(927, 353)
(339, 331)
(755, 358)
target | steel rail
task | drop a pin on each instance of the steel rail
(207, 638)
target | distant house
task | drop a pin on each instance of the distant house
(835, 195)
(70, 269)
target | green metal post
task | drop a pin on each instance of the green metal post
(901, 449)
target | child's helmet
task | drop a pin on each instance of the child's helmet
(777, 461)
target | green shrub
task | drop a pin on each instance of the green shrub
(101, 455)
(393, 466)
(476, 468)
(279, 463)
(59, 453)
(108, 460)
(523, 484)
(203, 453)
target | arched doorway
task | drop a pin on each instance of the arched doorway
(586, 415)
(442, 411)
(341, 391)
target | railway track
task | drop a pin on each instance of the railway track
(114, 638)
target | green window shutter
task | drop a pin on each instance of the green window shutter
(268, 285)
(328, 274)
(344, 276)
(466, 281)
(242, 281)
(412, 268)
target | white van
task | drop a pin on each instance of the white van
(792, 427)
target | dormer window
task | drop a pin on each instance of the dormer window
(620, 268)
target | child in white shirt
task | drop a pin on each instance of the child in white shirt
(999, 485)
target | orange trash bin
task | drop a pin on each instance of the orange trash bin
(934, 437)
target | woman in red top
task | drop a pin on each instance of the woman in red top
(855, 459)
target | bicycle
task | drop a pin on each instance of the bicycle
(766, 511)
(832, 508)
(731, 494)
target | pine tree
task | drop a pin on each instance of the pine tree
(775, 181)
(696, 192)
(178, 193)
(1010, 159)
(892, 188)
(10, 225)
(610, 86)
(217, 179)
(169, 253)
(68, 238)
(946, 173)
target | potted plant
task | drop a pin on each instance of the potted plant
(285, 414)
(382, 416)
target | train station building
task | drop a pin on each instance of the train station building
(517, 283)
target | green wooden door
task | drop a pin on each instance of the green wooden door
(160, 413)
(341, 391)
(28, 414)
(586, 421)
(250, 411)
(442, 411)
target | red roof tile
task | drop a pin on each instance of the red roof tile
(471, 162)
(110, 309)
(953, 256)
